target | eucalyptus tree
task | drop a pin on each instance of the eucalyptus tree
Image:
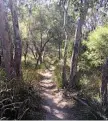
(104, 83)
(78, 35)
(5, 39)
(65, 4)
(94, 12)
(39, 34)
(17, 40)
(25, 47)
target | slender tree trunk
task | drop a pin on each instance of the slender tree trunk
(104, 88)
(6, 43)
(64, 79)
(33, 53)
(26, 52)
(39, 60)
(41, 51)
(12, 71)
(17, 39)
(77, 43)
(59, 52)
(25, 59)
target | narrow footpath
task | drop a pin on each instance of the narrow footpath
(56, 108)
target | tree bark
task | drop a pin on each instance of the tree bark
(26, 47)
(39, 59)
(64, 79)
(59, 52)
(17, 40)
(104, 88)
(77, 43)
(5, 39)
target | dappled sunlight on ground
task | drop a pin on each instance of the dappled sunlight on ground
(53, 103)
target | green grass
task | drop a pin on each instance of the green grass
(57, 75)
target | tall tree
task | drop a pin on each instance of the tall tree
(104, 88)
(5, 39)
(17, 39)
(65, 9)
(77, 42)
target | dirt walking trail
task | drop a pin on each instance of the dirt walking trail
(56, 108)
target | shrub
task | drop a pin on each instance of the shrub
(91, 60)
(58, 74)
(22, 100)
(97, 45)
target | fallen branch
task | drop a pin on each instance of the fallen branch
(20, 117)
(96, 113)
(11, 105)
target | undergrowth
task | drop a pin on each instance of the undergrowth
(20, 99)
(57, 75)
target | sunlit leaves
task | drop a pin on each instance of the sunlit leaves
(98, 45)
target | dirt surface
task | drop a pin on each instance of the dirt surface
(55, 106)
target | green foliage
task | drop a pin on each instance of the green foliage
(41, 66)
(28, 65)
(90, 85)
(21, 94)
(70, 48)
(94, 52)
(97, 45)
(2, 75)
(58, 74)
(30, 75)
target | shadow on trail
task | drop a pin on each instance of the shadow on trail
(51, 116)
(56, 107)
(53, 104)
(48, 87)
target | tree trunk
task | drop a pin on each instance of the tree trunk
(26, 46)
(64, 79)
(59, 52)
(25, 59)
(40, 59)
(77, 43)
(17, 40)
(104, 89)
(6, 43)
